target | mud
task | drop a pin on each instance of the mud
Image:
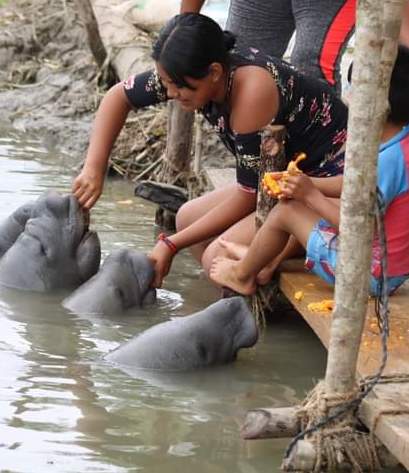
(48, 78)
(51, 86)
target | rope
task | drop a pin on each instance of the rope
(326, 430)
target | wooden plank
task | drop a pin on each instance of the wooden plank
(220, 178)
(388, 401)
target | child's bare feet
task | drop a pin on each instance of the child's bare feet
(225, 272)
(266, 274)
(233, 250)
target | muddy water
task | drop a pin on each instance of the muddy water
(62, 409)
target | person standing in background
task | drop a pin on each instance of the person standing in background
(323, 28)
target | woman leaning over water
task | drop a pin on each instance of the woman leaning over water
(239, 92)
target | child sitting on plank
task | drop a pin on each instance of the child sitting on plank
(313, 219)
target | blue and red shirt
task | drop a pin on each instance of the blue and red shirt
(393, 182)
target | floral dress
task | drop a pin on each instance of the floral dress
(314, 117)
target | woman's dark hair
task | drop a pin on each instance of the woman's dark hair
(399, 87)
(188, 44)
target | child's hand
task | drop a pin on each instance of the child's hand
(300, 188)
(161, 257)
(87, 187)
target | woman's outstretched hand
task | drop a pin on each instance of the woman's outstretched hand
(161, 257)
(87, 187)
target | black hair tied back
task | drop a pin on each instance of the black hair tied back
(188, 44)
(229, 40)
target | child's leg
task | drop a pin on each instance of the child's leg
(292, 249)
(238, 251)
(286, 218)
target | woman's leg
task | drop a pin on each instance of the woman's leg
(196, 208)
(323, 29)
(264, 24)
(241, 233)
(286, 218)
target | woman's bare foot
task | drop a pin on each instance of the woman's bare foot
(233, 250)
(224, 272)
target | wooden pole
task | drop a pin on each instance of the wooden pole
(375, 51)
(95, 43)
(265, 423)
(272, 159)
(304, 455)
(378, 25)
(197, 160)
(178, 145)
(177, 162)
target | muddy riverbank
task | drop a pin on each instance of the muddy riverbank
(51, 86)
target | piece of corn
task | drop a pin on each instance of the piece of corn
(292, 167)
(272, 184)
(298, 296)
(325, 305)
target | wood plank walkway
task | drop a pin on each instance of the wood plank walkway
(388, 402)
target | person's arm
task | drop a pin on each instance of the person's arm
(326, 207)
(109, 120)
(191, 6)
(136, 92)
(231, 210)
(302, 188)
(330, 186)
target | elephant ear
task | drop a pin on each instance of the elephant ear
(89, 256)
(13, 226)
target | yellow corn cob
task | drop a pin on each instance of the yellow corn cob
(272, 184)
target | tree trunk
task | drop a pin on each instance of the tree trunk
(176, 168)
(95, 43)
(178, 144)
(373, 60)
(272, 159)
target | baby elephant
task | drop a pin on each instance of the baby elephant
(212, 336)
(46, 245)
(122, 282)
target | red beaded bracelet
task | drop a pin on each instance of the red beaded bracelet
(168, 243)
